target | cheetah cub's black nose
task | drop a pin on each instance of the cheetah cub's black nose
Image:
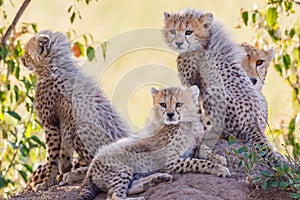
(253, 80)
(179, 44)
(170, 114)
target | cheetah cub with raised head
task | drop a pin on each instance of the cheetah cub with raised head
(75, 113)
(256, 64)
(172, 129)
(209, 59)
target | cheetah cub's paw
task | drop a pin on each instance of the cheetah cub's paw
(219, 159)
(222, 171)
(44, 186)
(74, 176)
(141, 185)
(114, 197)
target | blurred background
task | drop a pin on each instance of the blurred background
(131, 57)
(106, 20)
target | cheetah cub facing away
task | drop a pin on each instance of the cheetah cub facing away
(172, 129)
(209, 59)
(74, 112)
(256, 64)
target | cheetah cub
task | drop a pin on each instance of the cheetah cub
(256, 64)
(74, 112)
(172, 129)
(209, 59)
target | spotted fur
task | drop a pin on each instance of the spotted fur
(209, 59)
(172, 129)
(75, 113)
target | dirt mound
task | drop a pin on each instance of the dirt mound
(183, 186)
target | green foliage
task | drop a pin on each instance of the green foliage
(74, 11)
(286, 176)
(270, 25)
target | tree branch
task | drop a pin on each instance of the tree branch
(15, 21)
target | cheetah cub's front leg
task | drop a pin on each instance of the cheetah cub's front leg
(185, 165)
(45, 176)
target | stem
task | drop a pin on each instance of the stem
(15, 21)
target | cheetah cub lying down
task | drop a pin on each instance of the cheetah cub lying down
(173, 128)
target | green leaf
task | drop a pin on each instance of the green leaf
(266, 173)
(38, 141)
(90, 52)
(292, 32)
(286, 61)
(17, 73)
(24, 150)
(81, 48)
(34, 27)
(292, 127)
(104, 49)
(23, 174)
(271, 16)
(288, 6)
(285, 168)
(231, 140)
(242, 149)
(240, 164)
(87, 1)
(28, 167)
(278, 69)
(16, 90)
(275, 183)
(72, 18)
(2, 182)
(14, 115)
(254, 18)
(3, 52)
(245, 17)
(295, 195)
(264, 185)
(283, 185)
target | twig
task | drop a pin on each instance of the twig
(15, 21)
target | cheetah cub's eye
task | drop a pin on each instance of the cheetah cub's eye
(259, 62)
(188, 32)
(178, 105)
(173, 32)
(163, 105)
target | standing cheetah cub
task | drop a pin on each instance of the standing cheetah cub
(256, 64)
(209, 59)
(173, 128)
(74, 112)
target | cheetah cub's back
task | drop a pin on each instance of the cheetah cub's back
(75, 113)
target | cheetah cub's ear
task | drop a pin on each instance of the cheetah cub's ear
(154, 91)
(206, 20)
(271, 54)
(44, 42)
(195, 93)
(166, 15)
